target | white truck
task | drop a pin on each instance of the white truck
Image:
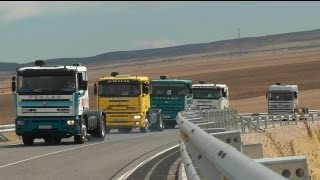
(210, 96)
(52, 102)
(284, 99)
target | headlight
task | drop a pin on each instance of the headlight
(20, 123)
(137, 117)
(137, 123)
(71, 122)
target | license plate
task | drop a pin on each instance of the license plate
(45, 127)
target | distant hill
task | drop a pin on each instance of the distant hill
(217, 47)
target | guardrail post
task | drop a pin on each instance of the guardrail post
(296, 118)
(249, 124)
(280, 119)
(272, 118)
(257, 119)
(287, 118)
(242, 124)
(312, 119)
(265, 118)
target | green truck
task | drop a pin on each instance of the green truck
(171, 96)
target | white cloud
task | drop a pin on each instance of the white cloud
(10, 11)
(16, 10)
(155, 44)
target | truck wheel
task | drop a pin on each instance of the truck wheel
(160, 126)
(57, 140)
(28, 140)
(48, 139)
(79, 139)
(101, 130)
(143, 130)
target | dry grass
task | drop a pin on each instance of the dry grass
(308, 128)
(291, 141)
(318, 133)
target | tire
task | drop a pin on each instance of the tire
(143, 129)
(57, 140)
(166, 124)
(79, 138)
(172, 124)
(48, 139)
(101, 130)
(160, 128)
(27, 140)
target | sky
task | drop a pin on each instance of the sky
(31, 30)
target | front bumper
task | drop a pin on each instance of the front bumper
(43, 126)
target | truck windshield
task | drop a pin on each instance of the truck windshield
(46, 84)
(202, 93)
(169, 90)
(119, 90)
(281, 95)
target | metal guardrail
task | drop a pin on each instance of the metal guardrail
(218, 160)
(216, 152)
(258, 122)
(7, 128)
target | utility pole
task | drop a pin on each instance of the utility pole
(239, 33)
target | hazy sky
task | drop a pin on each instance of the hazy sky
(46, 30)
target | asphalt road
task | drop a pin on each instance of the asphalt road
(108, 159)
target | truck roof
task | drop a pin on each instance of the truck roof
(79, 68)
(171, 81)
(283, 88)
(208, 85)
(126, 77)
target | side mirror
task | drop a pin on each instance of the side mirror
(84, 85)
(145, 90)
(95, 89)
(13, 86)
(224, 94)
(296, 95)
(266, 95)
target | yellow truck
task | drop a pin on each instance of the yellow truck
(126, 101)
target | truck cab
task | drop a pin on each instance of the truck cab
(171, 96)
(126, 101)
(52, 102)
(210, 96)
(282, 99)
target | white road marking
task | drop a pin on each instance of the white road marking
(128, 173)
(49, 154)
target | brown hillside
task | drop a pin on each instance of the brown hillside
(246, 75)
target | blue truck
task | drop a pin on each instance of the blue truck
(52, 102)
